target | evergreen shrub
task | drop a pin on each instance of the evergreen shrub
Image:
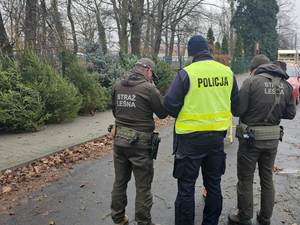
(21, 107)
(94, 96)
(110, 68)
(165, 75)
(62, 99)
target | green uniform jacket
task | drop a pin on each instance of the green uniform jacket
(134, 100)
(256, 98)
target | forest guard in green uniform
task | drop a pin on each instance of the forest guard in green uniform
(264, 99)
(134, 100)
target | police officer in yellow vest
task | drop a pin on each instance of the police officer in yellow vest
(201, 98)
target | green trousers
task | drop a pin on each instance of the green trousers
(137, 160)
(262, 153)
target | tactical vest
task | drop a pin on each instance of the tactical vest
(207, 105)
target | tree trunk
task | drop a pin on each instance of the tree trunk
(147, 36)
(178, 52)
(166, 42)
(18, 20)
(183, 53)
(101, 30)
(172, 41)
(136, 23)
(117, 18)
(124, 23)
(167, 31)
(60, 34)
(159, 26)
(121, 16)
(30, 30)
(44, 27)
(75, 45)
(152, 29)
(231, 38)
(58, 24)
(5, 46)
(17, 39)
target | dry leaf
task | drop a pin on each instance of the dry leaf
(7, 172)
(6, 189)
(276, 169)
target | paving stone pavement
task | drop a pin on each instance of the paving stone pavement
(17, 149)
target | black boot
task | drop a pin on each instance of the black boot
(125, 221)
(261, 220)
(234, 219)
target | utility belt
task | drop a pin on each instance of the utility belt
(259, 133)
(137, 137)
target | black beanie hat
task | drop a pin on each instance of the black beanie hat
(197, 45)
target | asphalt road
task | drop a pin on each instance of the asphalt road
(83, 196)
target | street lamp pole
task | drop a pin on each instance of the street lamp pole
(296, 48)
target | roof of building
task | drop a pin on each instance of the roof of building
(287, 51)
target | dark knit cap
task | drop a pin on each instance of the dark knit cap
(197, 45)
(259, 60)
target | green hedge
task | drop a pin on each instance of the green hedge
(33, 93)
(165, 75)
(21, 107)
(110, 68)
(94, 96)
(62, 99)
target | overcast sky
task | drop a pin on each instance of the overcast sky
(297, 14)
(298, 5)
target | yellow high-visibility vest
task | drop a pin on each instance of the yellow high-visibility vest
(207, 105)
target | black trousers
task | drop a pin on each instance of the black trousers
(186, 171)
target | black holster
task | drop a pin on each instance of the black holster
(155, 140)
(281, 133)
(245, 132)
(249, 136)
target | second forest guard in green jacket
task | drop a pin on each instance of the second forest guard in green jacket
(264, 99)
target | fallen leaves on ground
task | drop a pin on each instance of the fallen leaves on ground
(41, 171)
(11, 179)
(276, 169)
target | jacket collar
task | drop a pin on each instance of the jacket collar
(202, 56)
